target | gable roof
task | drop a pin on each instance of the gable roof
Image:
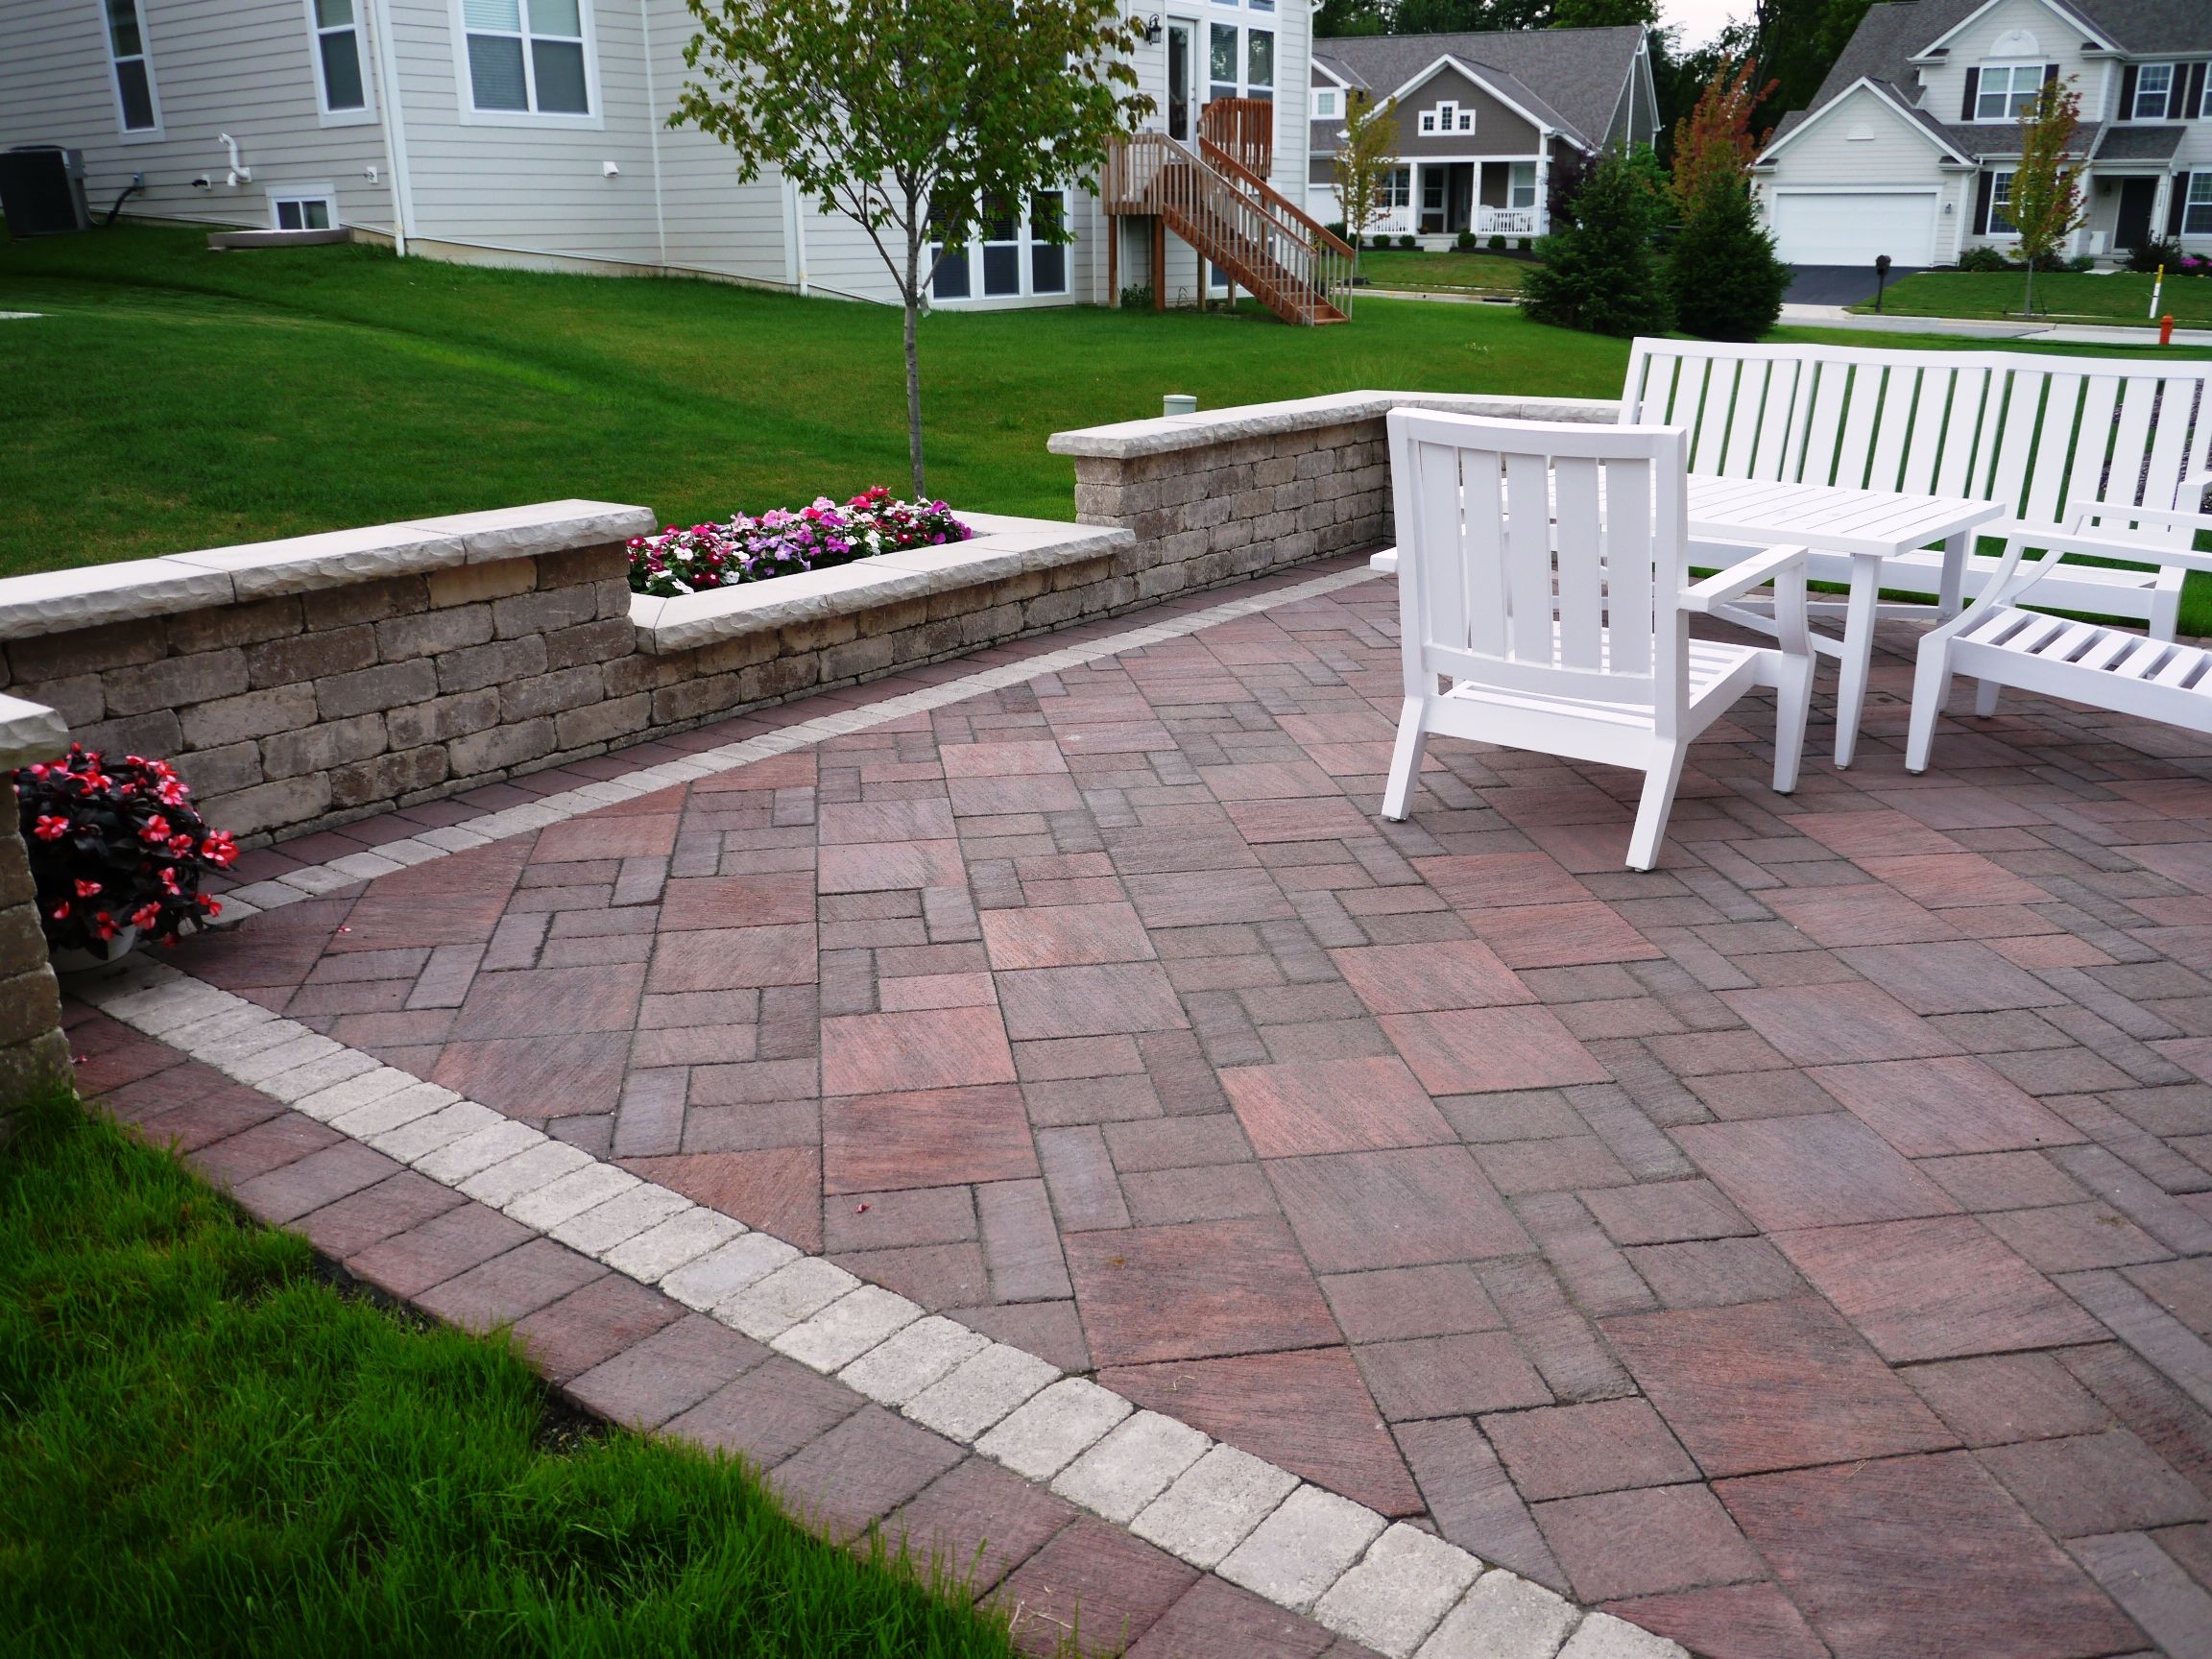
(1569, 78)
(1942, 137)
(1890, 37)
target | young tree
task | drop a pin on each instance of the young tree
(1599, 272)
(1721, 270)
(907, 116)
(1715, 140)
(2046, 207)
(1364, 161)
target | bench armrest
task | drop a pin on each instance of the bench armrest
(1737, 580)
(2096, 546)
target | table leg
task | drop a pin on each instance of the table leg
(1956, 548)
(1858, 652)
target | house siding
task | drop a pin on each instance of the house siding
(245, 68)
(1498, 128)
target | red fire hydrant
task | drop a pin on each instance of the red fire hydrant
(2166, 329)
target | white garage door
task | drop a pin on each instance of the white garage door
(1850, 228)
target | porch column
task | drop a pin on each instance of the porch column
(1543, 188)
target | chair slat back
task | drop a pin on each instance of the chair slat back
(2045, 437)
(1531, 555)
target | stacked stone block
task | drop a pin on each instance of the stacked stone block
(310, 707)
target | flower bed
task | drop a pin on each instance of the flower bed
(783, 543)
(116, 850)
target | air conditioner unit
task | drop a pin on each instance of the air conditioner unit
(42, 190)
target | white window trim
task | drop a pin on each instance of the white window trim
(2190, 202)
(130, 135)
(1325, 104)
(2001, 175)
(1265, 24)
(1027, 242)
(328, 116)
(2177, 82)
(1536, 187)
(324, 192)
(1448, 117)
(465, 87)
(1982, 86)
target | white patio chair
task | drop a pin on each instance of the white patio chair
(1999, 643)
(1565, 628)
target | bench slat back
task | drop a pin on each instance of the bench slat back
(1529, 554)
(2046, 436)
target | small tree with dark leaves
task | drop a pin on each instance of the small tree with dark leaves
(908, 116)
(2046, 205)
(1599, 272)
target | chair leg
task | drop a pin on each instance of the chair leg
(1931, 689)
(1406, 761)
(1986, 697)
(1660, 783)
(1858, 656)
(1792, 706)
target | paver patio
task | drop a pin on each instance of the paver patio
(1804, 1247)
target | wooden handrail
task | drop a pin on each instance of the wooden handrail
(1251, 181)
(1244, 127)
(1272, 253)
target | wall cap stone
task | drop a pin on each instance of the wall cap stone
(29, 732)
(1003, 547)
(61, 601)
(1161, 435)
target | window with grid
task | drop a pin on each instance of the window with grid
(1521, 185)
(2196, 211)
(527, 56)
(133, 74)
(1999, 199)
(302, 212)
(1398, 187)
(2154, 91)
(2006, 90)
(338, 54)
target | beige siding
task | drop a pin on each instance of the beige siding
(244, 67)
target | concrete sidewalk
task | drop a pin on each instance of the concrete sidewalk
(2067, 333)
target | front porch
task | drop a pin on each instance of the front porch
(1438, 200)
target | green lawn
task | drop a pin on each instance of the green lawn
(2122, 297)
(1441, 273)
(168, 397)
(208, 1451)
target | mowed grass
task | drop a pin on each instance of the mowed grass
(1409, 268)
(206, 1450)
(168, 397)
(2120, 297)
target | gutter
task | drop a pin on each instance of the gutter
(394, 124)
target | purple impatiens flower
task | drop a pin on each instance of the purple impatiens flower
(781, 543)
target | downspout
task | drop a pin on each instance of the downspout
(795, 216)
(653, 128)
(394, 124)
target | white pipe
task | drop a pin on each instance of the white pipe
(394, 127)
(653, 128)
(239, 173)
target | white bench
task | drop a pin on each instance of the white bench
(2103, 457)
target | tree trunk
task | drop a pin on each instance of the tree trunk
(2027, 302)
(913, 300)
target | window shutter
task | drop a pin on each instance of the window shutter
(1981, 203)
(2126, 110)
(2050, 71)
(2193, 104)
(1973, 90)
(2177, 204)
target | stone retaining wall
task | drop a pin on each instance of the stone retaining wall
(33, 1047)
(304, 682)
(1234, 493)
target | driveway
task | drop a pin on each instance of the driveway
(1836, 285)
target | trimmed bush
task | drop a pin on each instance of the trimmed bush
(1984, 258)
(1408, 242)
(1599, 272)
(1726, 282)
(1464, 242)
(1497, 244)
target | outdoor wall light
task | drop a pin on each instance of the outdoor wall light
(1151, 28)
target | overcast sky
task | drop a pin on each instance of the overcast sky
(1700, 20)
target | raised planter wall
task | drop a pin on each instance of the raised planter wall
(33, 1048)
(1234, 492)
(304, 683)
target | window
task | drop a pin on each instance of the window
(1221, 60)
(1521, 185)
(2196, 211)
(1008, 252)
(1448, 117)
(338, 55)
(1260, 63)
(301, 212)
(2153, 89)
(527, 60)
(1999, 199)
(1398, 187)
(133, 74)
(2006, 90)
(1325, 104)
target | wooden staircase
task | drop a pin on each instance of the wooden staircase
(1217, 200)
